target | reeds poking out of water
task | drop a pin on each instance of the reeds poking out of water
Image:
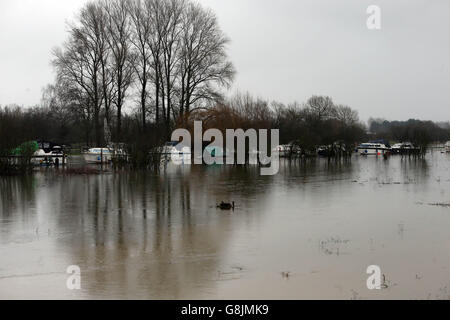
(444, 205)
(144, 149)
(81, 171)
(17, 161)
(142, 156)
(16, 166)
(8, 169)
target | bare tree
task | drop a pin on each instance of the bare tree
(142, 34)
(118, 30)
(346, 115)
(203, 66)
(169, 31)
(80, 61)
(320, 107)
(153, 10)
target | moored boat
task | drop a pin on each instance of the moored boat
(403, 147)
(286, 150)
(447, 146)
(323, 151)
(54, 156)
(373, 148)
(97, 155)
(176, 152)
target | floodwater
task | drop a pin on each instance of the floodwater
(308, 232)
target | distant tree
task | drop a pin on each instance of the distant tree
(320, 107)
(420, 133)
(346, 115)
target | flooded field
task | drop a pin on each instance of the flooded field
(309, 232)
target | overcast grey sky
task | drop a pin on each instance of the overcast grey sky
(284, 50)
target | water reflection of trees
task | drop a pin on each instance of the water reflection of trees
(398, 169)
(152, 236)
(316, 170)
(414, 168)
(17, 194)
(143, 235)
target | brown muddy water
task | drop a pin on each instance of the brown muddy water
(308, 232)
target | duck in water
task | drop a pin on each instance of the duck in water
(226, 205)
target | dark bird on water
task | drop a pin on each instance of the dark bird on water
(226, 205)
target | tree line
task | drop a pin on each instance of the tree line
(420, 133)
(318, 121)
(304, 126)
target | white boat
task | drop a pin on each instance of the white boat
(98, 155)
(370, 148)
(181, 155)
(281, 150)
(447, 146)
(286, 150)
(176, 152)
(401, 147)
(54, 156)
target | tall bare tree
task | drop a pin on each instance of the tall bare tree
(169, 31)
(204, 66)
(141, 35)
(153, 11)
(80, 60)
(118, 29)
